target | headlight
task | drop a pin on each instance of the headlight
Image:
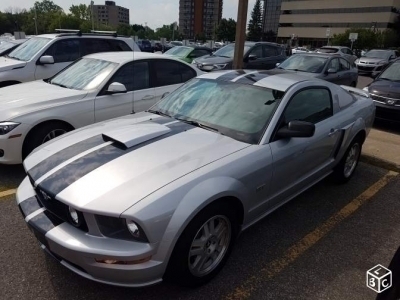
(357, 61)
(366, 89)
(194, 62)
(133, 229)
(219, 66)
(75, 217)
(6, 127)
(382, 62)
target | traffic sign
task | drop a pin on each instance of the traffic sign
(353, 36)
(328, 32)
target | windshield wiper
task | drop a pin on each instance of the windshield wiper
(60, 85)
(160, 113)
(12, 57)
(297, 70)
(197, 124)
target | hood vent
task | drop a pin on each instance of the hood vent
(132, 135)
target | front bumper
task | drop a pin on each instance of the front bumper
(387, 112)
(366, 68)
(78, 250)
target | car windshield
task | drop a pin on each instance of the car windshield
(236, 110)
(29, 49)
(4, 46)
(229, 51)
(304, 63)
(391, 73)
(328, 50)
(180, 51)
(84, 74)
(377, 54)
(176, 43)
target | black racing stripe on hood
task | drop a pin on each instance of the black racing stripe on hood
(231, 75)
(65, 154)
(71, 173)
(252, 78)
(29, 206)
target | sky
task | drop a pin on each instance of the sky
(155, 12)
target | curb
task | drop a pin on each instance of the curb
(379, 162)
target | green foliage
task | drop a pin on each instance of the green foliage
(226, 30)
(81, 11)
(255, 24)
(201, 37)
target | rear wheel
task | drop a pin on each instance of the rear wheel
(42, 134)
(348, 164)
(204, 246)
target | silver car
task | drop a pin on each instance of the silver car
(345, 52)
(375, 59)
(164, 193)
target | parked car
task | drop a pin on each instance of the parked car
(43, 56)
(176, 43)
(163, 194)
(299, 50)
(188, 53)
(257, 55)
(385, 91)
(145, 46)
(342, 51)
(375, 59)
(335, 69)
(6, 46)
(95, 88)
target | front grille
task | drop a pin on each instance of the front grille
(364, 68)
(57, 208)
(385, 100)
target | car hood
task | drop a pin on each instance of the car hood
(385, 88)
(7, 64)
(110, 166)
(213, 59)
(371, 60)
(16, 100)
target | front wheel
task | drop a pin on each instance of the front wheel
(204, 246)
(348, 164)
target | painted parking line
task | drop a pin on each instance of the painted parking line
(272, 269)
(7, 193)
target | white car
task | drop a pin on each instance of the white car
(95, 88)
(45, 55)
(299, 50)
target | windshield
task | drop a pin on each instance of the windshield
(180, 51)
(28, 50)
(304, 63)
(85, 74)
(391, 73)
(4, 46)
(377, 54)
(236, 110)
(176, 43)
(328, 50)
(229, 51)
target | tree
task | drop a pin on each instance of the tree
(226, 30)
(81, 11)
(255, 25)
(201, 37)
(367, 39)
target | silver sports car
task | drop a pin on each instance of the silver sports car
(164, 193)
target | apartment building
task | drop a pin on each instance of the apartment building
(271, 15)
(110, 14)
(199, 17)
(310, 22)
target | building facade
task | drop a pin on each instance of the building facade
(311, 22)
(271, 15)
(198, 17)
(110, 14)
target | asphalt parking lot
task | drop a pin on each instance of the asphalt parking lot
(318, 246)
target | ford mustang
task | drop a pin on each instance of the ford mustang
(163, 194)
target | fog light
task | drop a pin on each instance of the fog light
(1, 152)
(73, 214)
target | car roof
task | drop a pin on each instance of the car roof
(275, 79)
(326, 55)
(122, 57)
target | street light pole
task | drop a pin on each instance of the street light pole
(240, 34)
(35, 18)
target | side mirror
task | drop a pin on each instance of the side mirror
(252, 57)
(164, 95)
(116, 88)
(46, 60)
(331, 71)
(297, 129)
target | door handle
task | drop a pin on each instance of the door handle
(148, 97)
(333, 132)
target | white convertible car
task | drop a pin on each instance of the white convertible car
(95, 88)
(163, 194)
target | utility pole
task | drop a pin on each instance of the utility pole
(35, 18)
(91, 4)
(240, 34)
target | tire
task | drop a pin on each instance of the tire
(187, 270)
(348, 164)
(42, 134)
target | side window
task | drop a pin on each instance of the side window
(64, 51)
(200, 52)
(97, 45)
(270, 51)
(118, 45)
(311, 105)
(344, 65)
(135, 76)
(257, 51)
(334, 64)
(171, 72)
